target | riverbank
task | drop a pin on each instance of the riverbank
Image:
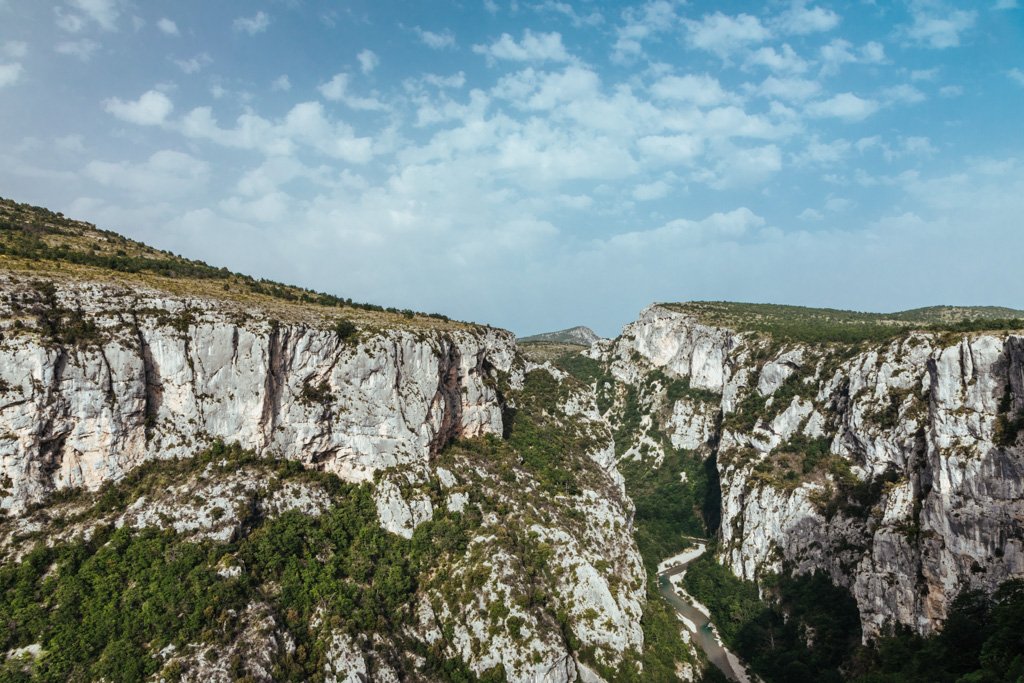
(695, 617)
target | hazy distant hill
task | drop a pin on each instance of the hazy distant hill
(584, 336)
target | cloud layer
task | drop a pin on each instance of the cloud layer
(539, 165)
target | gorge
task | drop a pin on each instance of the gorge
(209, 477)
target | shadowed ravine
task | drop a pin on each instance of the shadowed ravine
(697, 622)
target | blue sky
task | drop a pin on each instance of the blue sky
(536, 165)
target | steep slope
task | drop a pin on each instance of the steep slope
(209, 477)
(582, 336)
(887, 457)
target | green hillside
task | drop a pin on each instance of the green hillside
(44, 242)
(797, 323)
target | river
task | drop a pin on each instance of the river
(696, 620)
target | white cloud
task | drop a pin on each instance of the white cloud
(786, 60)
(905, 146)
(194, 64)
(151, 109)
(674, 149)
(846, 106)
(1005, 4)
(802, 20)
(809, 214)
(15, 49)
(454, 81)
(721, 226)
(839, 52)
(702, 90)
(641, 24)
(165, 173)
(723, 35)
(838, 204)
(368, 61)
(70, 143)
(788, 89)
(823, 153)
(258, 23)
(902, 94)
(937, 27)
(650, 191)
(578, 202)
(305, 125)
(918, 145)
(71, 23)
(435, 40)
(735, 166)
(924, 74)
(1016, 75)
(272, 208)
(167, 26)
(10, 74)
(534, 47)
(102, 12)
(336, 90)
(281, 84)
(594, 18)
(276, 172)
(79, 49)
(951, 91)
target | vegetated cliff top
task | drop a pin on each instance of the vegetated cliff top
(579, 335)
(800, 324)
(48, 244)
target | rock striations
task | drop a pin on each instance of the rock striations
(167, 375)
(97, 380)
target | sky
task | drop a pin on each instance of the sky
(538, 164)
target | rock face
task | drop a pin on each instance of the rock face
(174, 373)
(895, 467)
(96, 380)
(583, 336)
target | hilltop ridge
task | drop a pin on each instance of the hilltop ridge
(805, 324)
(36, 239)
(580, 335)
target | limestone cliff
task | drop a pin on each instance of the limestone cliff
(161, 376)
(99, 380)
(893, 464)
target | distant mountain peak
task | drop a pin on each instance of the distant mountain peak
(584, 336)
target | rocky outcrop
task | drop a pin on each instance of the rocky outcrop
(97, 380)
(163, 375)
(579, 335)
(896, 467)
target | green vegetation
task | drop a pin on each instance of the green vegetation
(586, 370)
(822, 325)
(547, 351)
(792, 463)
(345, 329)
(56, 322)
(318, 393)
(753, 406)
(575, 336)
(552, 450)
(773, 638)
(103, 608)
(982, 641)
(679, 388)
(887, 416)
(667, 508)
(37, 234)
(810, 631)
(1009, 424)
